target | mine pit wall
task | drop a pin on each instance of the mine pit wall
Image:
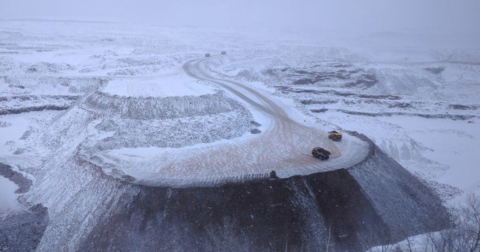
(22, 231)
(406, 206)
(78, 195)
(160, 107)
(374, 202)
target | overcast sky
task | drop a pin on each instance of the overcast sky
(433, 16)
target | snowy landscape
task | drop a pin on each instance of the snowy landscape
(96, 117)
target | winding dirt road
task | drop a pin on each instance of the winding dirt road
(284, 146)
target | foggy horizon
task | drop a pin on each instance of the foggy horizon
(427, 16)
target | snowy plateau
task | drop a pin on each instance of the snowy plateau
(126, 137)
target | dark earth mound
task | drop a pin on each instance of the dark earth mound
(372, 203)
(22, 231)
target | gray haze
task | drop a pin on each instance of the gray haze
(430, 16)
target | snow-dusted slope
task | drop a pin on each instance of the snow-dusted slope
(144, 108)
(341, 209)
(421, 112)
(122, 110)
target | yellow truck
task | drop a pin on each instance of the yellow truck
(335, 136)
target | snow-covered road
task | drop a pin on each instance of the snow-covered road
(285, 146)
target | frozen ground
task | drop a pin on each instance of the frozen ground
(174, 84)
(418, 105)
(137, 102)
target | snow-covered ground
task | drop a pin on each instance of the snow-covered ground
(117, 95)
(175, 84)
(416, 103)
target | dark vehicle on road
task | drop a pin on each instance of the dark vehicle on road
(320, 153)
(207, 55)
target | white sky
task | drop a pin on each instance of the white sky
(432, 16)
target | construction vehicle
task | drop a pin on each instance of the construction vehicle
(335, 136)
(320, 153)
(207, 55)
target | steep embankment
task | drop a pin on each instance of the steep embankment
(144, 108)
(186, 120)
(77, 193)
(374, 202)
(30, 103)
(22, 230)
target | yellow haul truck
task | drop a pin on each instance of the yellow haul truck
(335, 136)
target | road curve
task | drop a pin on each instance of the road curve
(284, 146)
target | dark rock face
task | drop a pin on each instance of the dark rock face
(31, 103)
(374, 202)
(405, 205)
(435, 70)
(255, 131)
(22, 231)
(344, 75)
(442, 116)
(17, 178)
(462, 107)
(287, 89)
(32, 109)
